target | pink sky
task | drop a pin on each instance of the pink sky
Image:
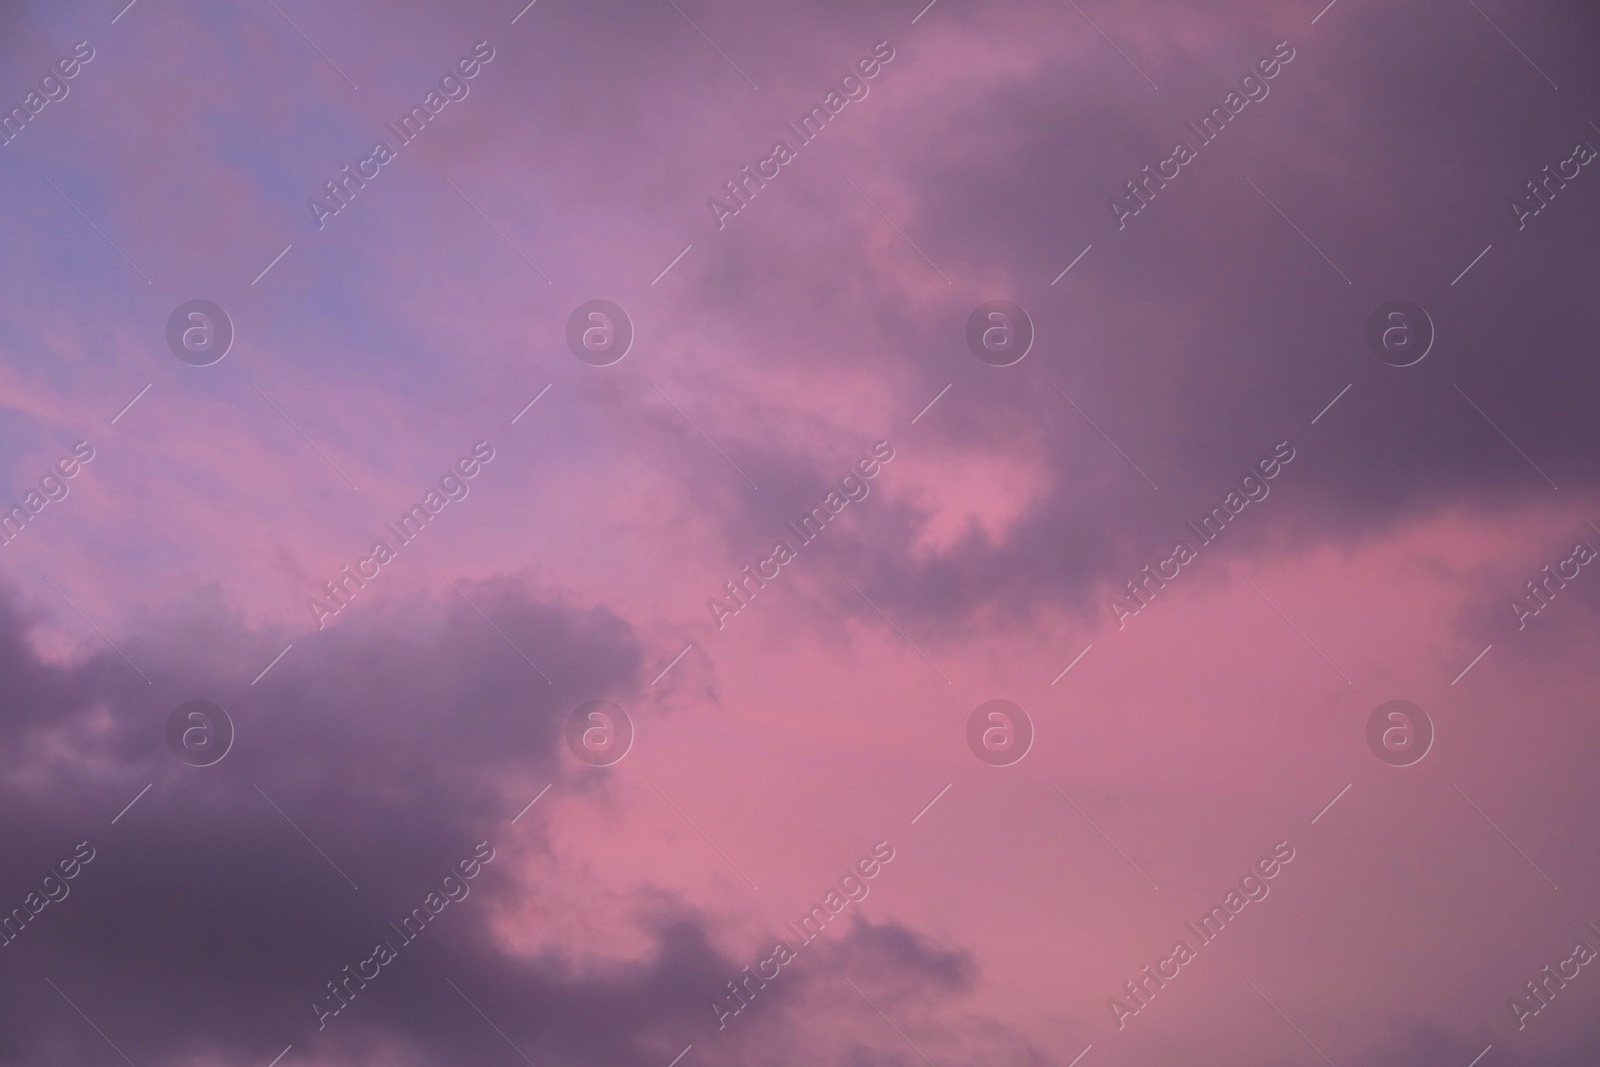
(773, 354)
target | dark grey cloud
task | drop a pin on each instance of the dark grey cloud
(205, 924)
(1209, 330)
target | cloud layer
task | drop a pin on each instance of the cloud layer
(1039, 535)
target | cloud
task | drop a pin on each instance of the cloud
(206, 923)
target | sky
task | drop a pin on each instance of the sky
(415, 650)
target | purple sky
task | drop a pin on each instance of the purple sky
(185, 526)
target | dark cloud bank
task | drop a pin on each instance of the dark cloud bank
(204, 924)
